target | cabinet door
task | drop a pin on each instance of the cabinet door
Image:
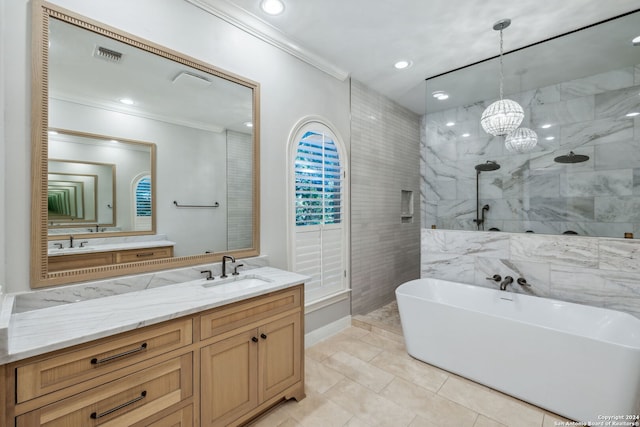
(280, 355)
(229, 372)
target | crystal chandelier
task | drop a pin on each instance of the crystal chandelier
(521, 140)
(503, 116)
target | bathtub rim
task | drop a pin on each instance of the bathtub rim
(477, 288)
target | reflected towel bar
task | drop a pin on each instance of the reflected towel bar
(215, 205)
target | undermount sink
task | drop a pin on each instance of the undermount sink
(235, 284)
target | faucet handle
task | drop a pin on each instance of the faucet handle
(209, 275)
(84, 242)
(495, 278)
(235, 269)
(523, 282)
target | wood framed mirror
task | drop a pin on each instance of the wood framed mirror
(100, 85)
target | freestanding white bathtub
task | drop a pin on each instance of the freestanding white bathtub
(578, 361)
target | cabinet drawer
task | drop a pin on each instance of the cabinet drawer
(72, 262)
(122, 402)
(238, 315)
(65, 369)
(182, 417)
(135, 255)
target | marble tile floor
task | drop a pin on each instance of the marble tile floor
(363, 377)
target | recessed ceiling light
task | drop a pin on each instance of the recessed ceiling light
(114, 141)
(53, 132)
(636, 41)
(272, 7)
(451, 124)
(466, 135)
(550, 138)
(127, 101)
(546, 126)
(440, 95)
(401, 65)
(248, 124)
(633, 114)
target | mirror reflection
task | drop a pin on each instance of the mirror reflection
(140, 141)
(112, 190)
(583, 175)
(66, 195)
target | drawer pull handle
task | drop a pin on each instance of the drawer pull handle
(143, 254)
(254, 339)
(263, 336)
(95, 415)
(96, 361)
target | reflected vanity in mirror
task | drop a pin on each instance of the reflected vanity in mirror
(143, 159)
(581, 94)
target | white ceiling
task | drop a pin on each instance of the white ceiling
(364, 38)
(162, 89)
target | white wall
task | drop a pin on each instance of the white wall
(2, 152)
(290, 89)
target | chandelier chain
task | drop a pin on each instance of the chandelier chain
(501, 65)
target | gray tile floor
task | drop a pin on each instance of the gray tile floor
(363, 377)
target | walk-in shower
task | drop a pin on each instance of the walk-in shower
(489, 166)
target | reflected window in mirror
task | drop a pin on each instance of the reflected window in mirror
(142, 199)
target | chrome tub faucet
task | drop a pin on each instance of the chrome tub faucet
(506, 282)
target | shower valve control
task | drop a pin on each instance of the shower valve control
(523, 282)
(495, 278)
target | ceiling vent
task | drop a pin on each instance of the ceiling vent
(107, 54)
(191, 80)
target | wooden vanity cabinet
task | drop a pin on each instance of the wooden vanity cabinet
(97, 259)
(246, 370)
(254, 357)
(219, 367)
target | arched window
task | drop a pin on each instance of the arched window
(142, 203)
(318, 237)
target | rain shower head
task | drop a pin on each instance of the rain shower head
(571, 158)
(487, 167)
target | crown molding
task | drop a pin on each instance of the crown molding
(266, 32)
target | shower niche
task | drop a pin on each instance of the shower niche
(406, 206)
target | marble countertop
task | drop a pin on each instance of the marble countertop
(107, 247)
(40, 331)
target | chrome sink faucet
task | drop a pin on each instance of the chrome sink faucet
(506, 282)
(224, 265)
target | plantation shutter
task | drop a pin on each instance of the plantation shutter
(142, 218)
(143, 197)
(319, 235)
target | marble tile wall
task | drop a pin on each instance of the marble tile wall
(598, 271)
(239, 185)
(600, 197)
(385, 146)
